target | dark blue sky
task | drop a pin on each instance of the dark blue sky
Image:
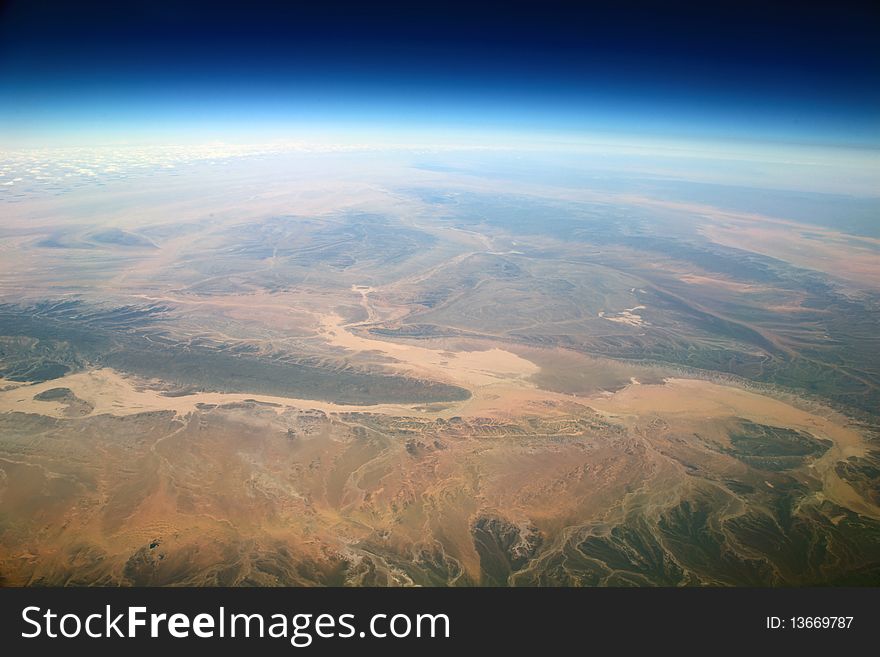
(773, 71)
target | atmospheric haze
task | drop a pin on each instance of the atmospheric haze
(335, 311)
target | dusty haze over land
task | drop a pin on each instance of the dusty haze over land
(233, 366)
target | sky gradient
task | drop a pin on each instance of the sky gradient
(101, 71)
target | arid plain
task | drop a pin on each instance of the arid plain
(347, 369)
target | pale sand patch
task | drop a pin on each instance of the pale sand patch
(116, 394)
(699, 398)
(835, 254)
(113, 393)
(629, 316)
(853, 258)
(471, 369)
(696, 398)
(713, 281)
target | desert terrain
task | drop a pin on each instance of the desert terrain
(345, 369)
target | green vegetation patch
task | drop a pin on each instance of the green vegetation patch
(774, 448)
